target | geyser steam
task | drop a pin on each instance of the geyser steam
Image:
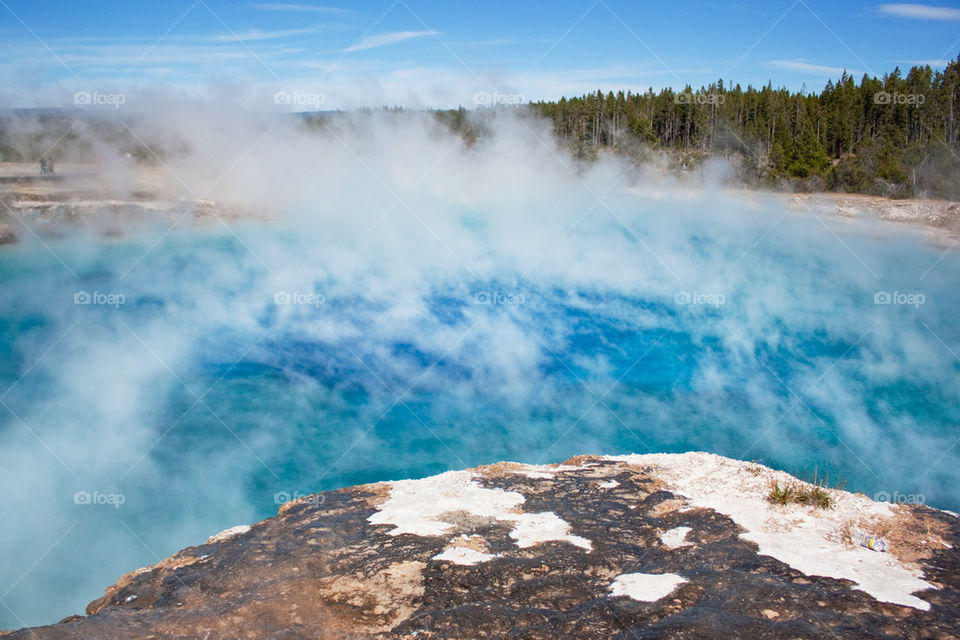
(418, 303)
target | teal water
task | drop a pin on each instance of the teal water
(203, 403)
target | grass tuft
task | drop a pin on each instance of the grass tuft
(797, 492)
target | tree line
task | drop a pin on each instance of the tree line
(896, 136)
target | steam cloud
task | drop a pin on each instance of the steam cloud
(471, 303)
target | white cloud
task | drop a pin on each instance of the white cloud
(920, 11)
(117, 58)
(255, 34)
(382, 39)
(932, 63)
(309, 8)
(494, 42)
(806, 67)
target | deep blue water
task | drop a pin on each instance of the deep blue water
(200, 400)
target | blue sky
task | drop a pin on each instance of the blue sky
(442, 53)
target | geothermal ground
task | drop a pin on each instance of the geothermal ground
(641, 546)
(80, 196)
(133, 194)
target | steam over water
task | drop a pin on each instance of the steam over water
(505, 308)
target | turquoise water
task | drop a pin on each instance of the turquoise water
(203, 402)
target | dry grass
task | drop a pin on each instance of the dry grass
(756, 467)
(798, 492)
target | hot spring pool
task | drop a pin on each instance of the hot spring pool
(156, 391)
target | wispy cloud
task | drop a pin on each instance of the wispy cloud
(497, 42)
(932, 63)
(255, 34)
(920, 11)
(293, 8)
(383, 39)
(806, 67)
(494, 42)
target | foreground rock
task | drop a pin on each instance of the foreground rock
(658, 546)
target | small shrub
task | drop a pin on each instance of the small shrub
(780, 495)
(797, 492)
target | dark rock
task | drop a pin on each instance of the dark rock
(321, 569)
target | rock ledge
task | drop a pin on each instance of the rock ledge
(652, 546)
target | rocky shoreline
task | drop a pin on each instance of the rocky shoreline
(80, 198)
(651, 546)
(940, 218)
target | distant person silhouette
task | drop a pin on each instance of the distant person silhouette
(46, 166)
